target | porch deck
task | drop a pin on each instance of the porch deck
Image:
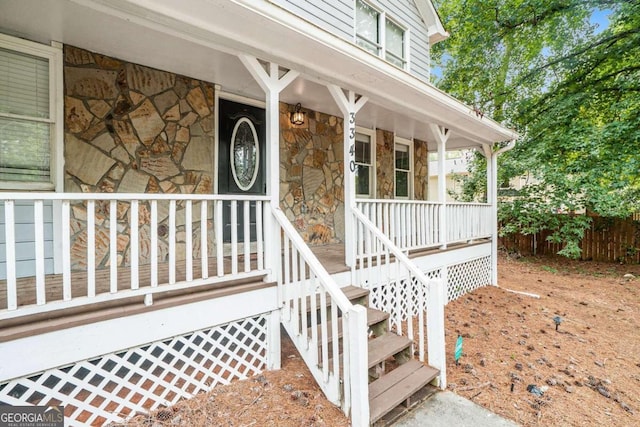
(331, 256)
(37, 323)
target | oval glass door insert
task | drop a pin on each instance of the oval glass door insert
(245, 154)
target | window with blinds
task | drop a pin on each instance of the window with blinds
(25, 117)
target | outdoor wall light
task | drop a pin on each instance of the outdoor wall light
(297, 117)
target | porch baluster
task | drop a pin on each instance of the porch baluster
(247, 236)
(10, 242)
(154, 243)
(91, 248)
(66, 250)
(219, 227)
(259, 236)
(204, 241)
(172, 241)
(38, 223)
(234, 237)
(113, 246)
(134, 249)
(188, 229)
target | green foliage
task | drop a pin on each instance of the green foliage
(571, 92)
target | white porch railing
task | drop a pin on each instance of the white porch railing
(468, 221)
(408, 224)
(305, 288)
(399, 288)
(131, 234)
(414, 225)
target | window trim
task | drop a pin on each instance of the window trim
(54, 55)
(409, 144)
(371, 133)
(382, 28)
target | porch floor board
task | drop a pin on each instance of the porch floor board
(26, 288)
(331, 257)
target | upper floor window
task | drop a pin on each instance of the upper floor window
(404, 171)
(380, 35)
(365, 162)
(27, 113)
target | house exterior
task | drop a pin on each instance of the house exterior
(178, 179)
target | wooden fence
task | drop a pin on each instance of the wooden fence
(608, 240)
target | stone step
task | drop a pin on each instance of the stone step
(390, 390)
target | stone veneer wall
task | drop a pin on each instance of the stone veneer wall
(420, 169)
(385, 166)
(311, 175)
(133, 129)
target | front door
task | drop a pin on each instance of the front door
(241, 165)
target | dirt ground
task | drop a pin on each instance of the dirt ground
(514, 362)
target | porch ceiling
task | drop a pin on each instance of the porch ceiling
(200, 39)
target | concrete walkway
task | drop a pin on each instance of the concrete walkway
(447, 409)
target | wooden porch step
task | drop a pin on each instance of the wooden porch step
(374, 318)
(385, 346)
(354, 294)
(398, 386)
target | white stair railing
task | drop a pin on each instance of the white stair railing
(304, 288)
(100, 236)
(401, 289)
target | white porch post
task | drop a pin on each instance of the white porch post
(442, 135)
(436, 293)
(487, 153)
(272, 83)
(492, 199)
(349, 106)
(491, 192)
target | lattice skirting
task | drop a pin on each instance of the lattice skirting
(398, 299)
(467, 276)
(115, 386)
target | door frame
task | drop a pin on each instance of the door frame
(228, 96)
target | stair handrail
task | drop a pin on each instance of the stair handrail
(395, 250)
(436, 292)
(351, 393)
(318, 269)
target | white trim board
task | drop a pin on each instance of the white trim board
(452, 256)
(67, 346)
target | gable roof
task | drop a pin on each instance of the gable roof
(430, 16)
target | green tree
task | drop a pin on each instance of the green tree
(572, 93)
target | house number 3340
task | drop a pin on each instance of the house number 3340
(352, 146)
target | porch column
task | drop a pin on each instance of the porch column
(441, 135)
(492, 199)
(349, 106)
(272, 84)
(492, 191)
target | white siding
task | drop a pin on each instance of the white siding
(406, 13)
(25, 239)
(334, 16)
